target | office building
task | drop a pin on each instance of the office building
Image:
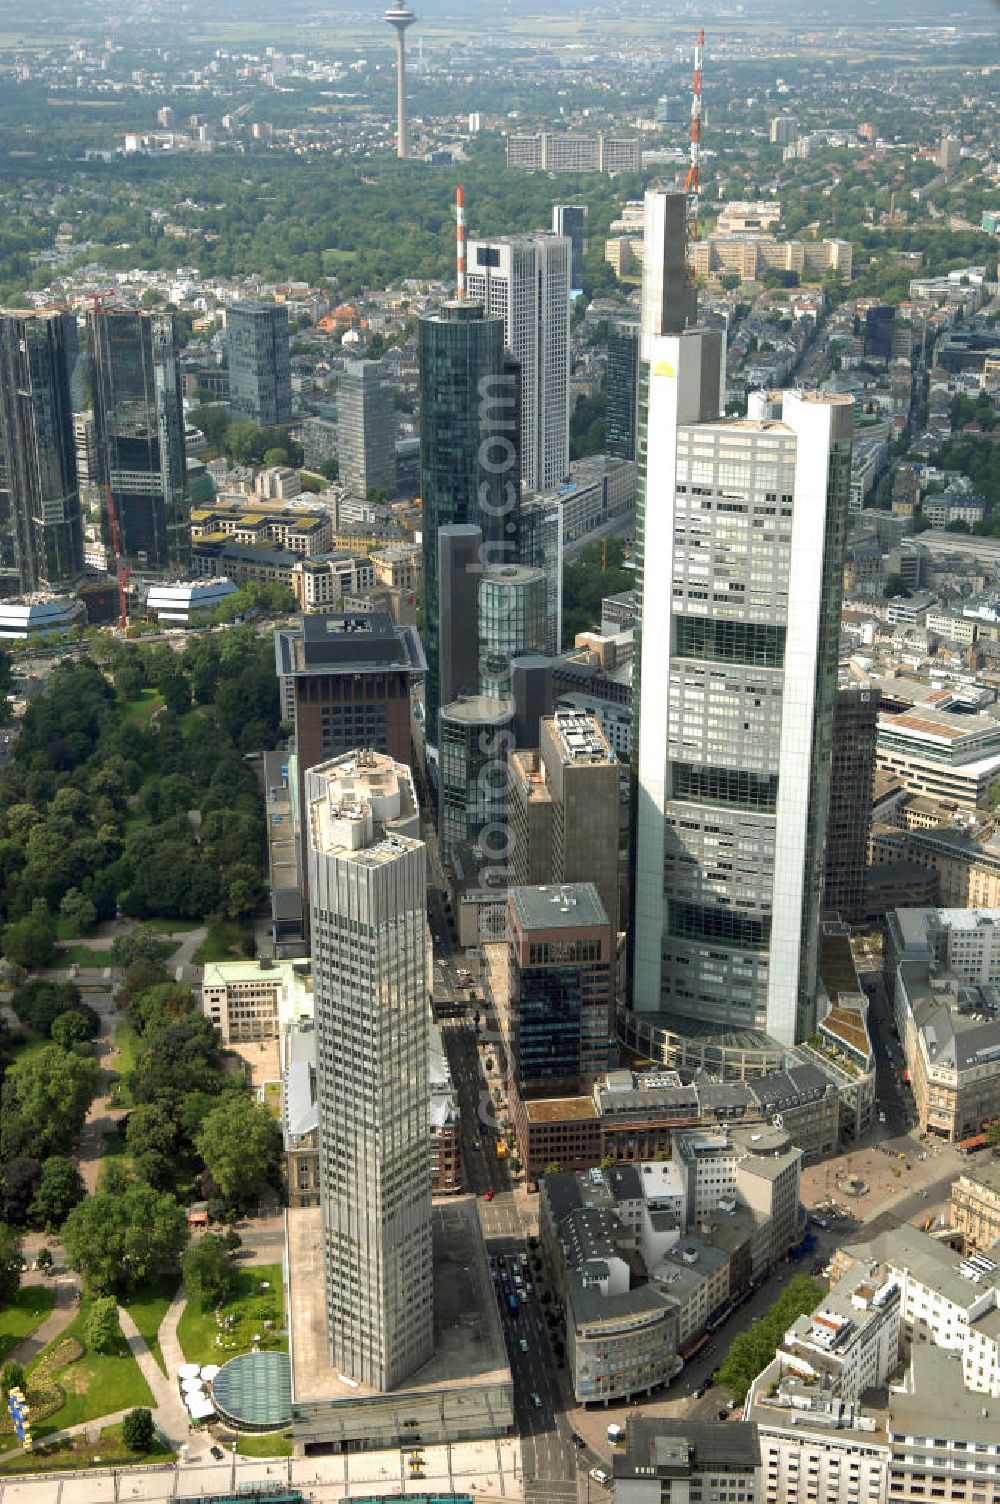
(852, 774)
(513, 621)
(469, 464)
(366, 430)
(561, 968)
(459, 571)
(546, 152)
(669, 299)
(879, 324)
(43, 527)
(368, 887)
(260, 373)
(622, 413)
(742, 526)
(571, 220)
(949, 153)
(525, 281)
(687, 1462)
(475, 739)
(565, 800)
(542, 538)
(139, 428)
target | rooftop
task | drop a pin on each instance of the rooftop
(346, 643)
(563, 906)
(680, 1445)
(363, 806)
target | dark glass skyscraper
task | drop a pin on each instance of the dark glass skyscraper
(260, 372)
(39, 456)
(469, 459)
(139, 430)
(623, 389)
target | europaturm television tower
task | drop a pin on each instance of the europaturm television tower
(400, 17)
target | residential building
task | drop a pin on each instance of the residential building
(461, 359)
(561, 968)
(741, 217)
(855, 728)
(975, 1206)
(687, 1461)
(546, 152)
(525, 281)
(742, 532)
(368, 897)
(300, 530)
(260, 376)
(139, 430)
(513, 621)
(43, 524)
(565, 800)
(366, 429)
(571, 220)
(325, 583)
(942, 972)
(784, 130)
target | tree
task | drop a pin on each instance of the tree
(20, 1182)
(30, 942)
(38, 1003)
(44, 1259)
(60, 1189)
(12, 1376)
(275, 457)
(120, 1239)
(209, 1275)
(240, 1144)
(140, 944)
(553, 1168)
(78, 910)
(138, 1431)
(52, 1091)
(149, 1130)
(10, 1264)
(78, 1026)
(101, 1329)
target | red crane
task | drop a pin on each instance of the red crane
(122, 570)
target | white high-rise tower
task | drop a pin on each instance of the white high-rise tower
(399, 18)
(742, 527)
(525, 280)
(367, 893)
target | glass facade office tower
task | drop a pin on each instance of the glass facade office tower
(366, 429)
(513, 620)
(571, 220)
(368, 902)
(855, 739)
(139, 434)
(525, 280)
(743, 538)
(468, 455)
(623, 389)
(44, 531)
(260, 372)
(476, 736)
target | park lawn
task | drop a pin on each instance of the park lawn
(172, 926)
(146, 705)
(147, 1308)
(275, 1445)
(67, 930)
(26, 1311)
(96, 1384)
(197, 1329)
(224, 942)
(76, 1451)
(89, 957)
(115, 1154)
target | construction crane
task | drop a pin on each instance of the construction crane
(122, 570)
(692, 183)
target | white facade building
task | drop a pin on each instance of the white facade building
(742, 526)
(368, 896)
(525, 280)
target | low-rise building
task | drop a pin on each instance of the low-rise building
(687, 1462)
(256, 1000)
(975, 1206)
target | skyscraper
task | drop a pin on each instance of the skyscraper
(139, 433)
(571, 220)
(460, 570)
(669, 300)
(368, 887)
(513, 620)
(525, 280)
(260, 373)
(855, 737)
(43, 521)
(623, 389)
(743, 532)
(468, 454)
(366, 429)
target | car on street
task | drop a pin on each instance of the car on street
(488, 1195)
(523, 1344)
(578, 1440)
(217, 1453)
(536, 1400)
(600, 1476)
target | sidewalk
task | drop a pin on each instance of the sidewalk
(173, 1357)
(58, 1319)
(171, 1418)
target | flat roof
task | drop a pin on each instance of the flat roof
(558, 906)
(468, 1342)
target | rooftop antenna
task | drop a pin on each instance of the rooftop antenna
(460, 240)
(692, 184)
